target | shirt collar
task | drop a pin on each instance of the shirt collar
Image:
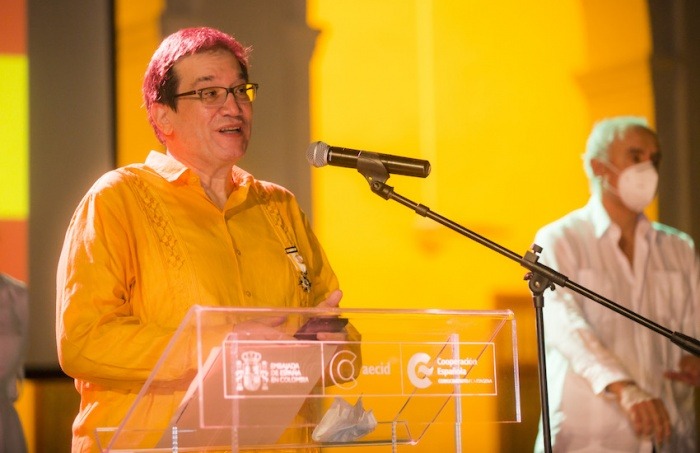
(602, 223)
(172, 170)
(166, 166)
(601, 219)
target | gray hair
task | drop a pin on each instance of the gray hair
(604, 132)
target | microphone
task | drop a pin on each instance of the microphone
(320, 154)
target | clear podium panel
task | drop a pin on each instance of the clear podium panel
(268, 378)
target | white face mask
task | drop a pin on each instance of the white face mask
(636, 185)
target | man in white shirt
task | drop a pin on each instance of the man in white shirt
(614, 385)
(14, 321)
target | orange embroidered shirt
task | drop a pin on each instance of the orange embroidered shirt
(144, 245)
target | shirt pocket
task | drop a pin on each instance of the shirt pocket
(669, 304)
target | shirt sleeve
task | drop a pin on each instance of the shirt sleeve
(100, 339)
(566, 328)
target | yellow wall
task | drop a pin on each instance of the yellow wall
(14, 158)
(137, 34)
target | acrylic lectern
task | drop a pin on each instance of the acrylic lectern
(264, 378)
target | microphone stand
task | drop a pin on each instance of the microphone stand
(540, 278)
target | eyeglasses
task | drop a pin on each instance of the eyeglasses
(216, 96)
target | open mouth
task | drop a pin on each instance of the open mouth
(230, 130)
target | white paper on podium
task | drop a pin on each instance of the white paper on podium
(267, 385)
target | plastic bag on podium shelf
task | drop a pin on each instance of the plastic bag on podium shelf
(344, 423)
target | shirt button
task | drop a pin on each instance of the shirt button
(248, 294)
(238, 252)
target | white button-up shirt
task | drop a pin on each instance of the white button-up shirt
(590, 346)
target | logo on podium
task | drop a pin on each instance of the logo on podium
(418, 370)
(252, 372)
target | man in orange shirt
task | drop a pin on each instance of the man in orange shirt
(187, 227)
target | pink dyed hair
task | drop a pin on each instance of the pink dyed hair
(160, 81)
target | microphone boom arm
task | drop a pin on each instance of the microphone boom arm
(530, 262)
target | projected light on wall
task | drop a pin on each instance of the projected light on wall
(14, 154)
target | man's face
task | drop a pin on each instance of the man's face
(637, 145)
(202, 136)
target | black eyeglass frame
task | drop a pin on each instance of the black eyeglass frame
(242, 88)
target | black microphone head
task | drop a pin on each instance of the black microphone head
(317, 154)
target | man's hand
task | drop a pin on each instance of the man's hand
(333, 300)
(688, 371)
(349, 350)
(648, 414)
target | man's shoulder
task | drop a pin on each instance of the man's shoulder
(115, 184)
(575, 220)
(667, 233)
(273, 191)
(15, 290)
(8, 280)
(125, 173)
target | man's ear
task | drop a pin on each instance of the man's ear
(162, 117)
(598, 167)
